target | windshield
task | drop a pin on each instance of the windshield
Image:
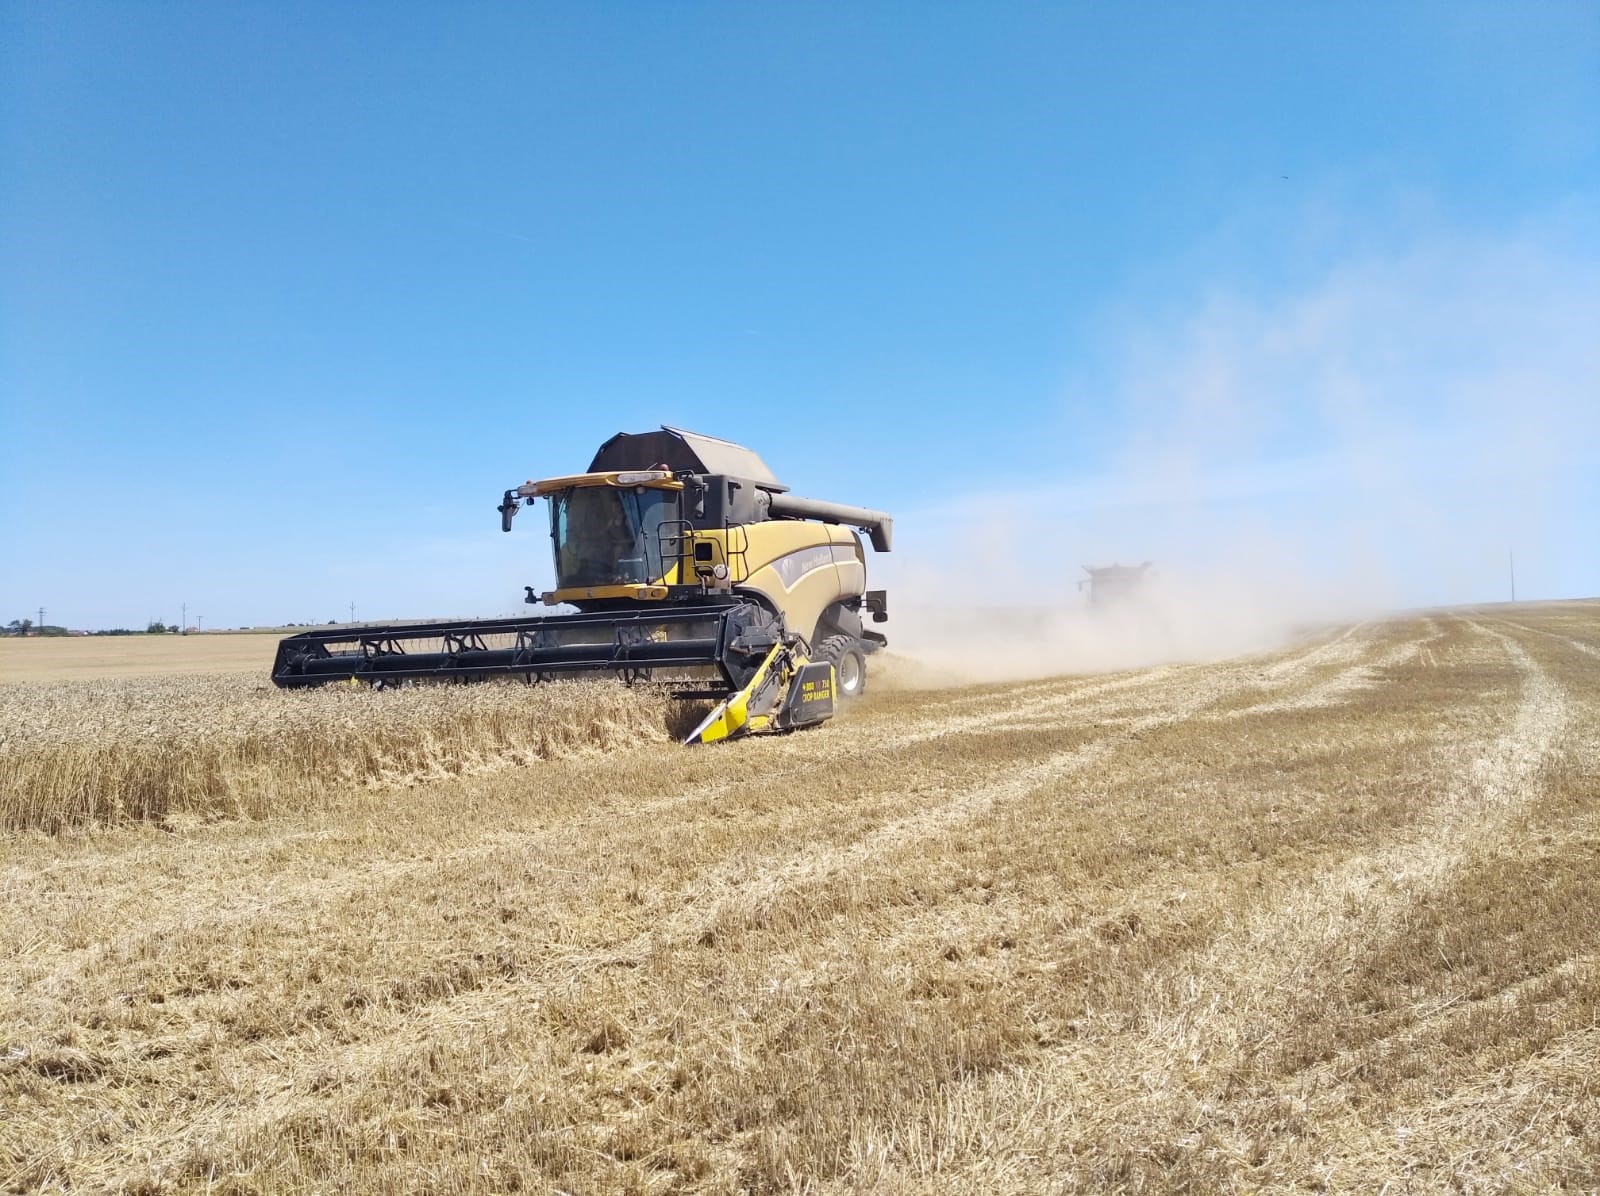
(606, 536)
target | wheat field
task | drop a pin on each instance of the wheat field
(1326, 919)
(100, 658)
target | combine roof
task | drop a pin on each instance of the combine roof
(680, 450)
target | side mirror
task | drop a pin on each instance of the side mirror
(508, 510)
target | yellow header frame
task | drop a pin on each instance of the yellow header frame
(648, 479)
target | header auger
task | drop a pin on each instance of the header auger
(689, 564)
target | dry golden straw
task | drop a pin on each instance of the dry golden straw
(1316, 921)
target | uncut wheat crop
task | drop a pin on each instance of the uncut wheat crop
(152, 748)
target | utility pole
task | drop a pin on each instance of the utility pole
(183, 620)
(1511, 558)
(199, 622)
(40, 630)
(352, 612)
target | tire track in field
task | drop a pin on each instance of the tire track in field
(1483, 797)
(1356, 676)
(1038, 698)
(1586, 648)
(1036, 704)
(1248, 978)
(1037, 708)
(1343, 646)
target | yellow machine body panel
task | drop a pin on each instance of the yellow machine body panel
(801, 568)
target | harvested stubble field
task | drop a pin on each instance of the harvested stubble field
(1325, 919)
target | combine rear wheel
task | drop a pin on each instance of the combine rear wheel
(849, 664)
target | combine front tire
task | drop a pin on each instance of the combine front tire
(849, 664)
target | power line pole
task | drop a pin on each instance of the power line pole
(183, 620)
(352, 612)
(199, 622)
(41, 622)
(1511, 558)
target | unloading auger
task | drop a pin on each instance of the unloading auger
(690, 566)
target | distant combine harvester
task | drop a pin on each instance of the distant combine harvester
(1112, 584)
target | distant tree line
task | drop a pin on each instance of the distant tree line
(27, 627)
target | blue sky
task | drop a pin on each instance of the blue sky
(290, 293)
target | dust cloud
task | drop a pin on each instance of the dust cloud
(1380, 440)
(1168, 621)
(1172, 616)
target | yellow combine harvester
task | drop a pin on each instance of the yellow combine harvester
(689, 564)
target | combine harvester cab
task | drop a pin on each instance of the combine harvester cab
(689, 565)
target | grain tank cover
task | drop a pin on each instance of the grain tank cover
(683, 451)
